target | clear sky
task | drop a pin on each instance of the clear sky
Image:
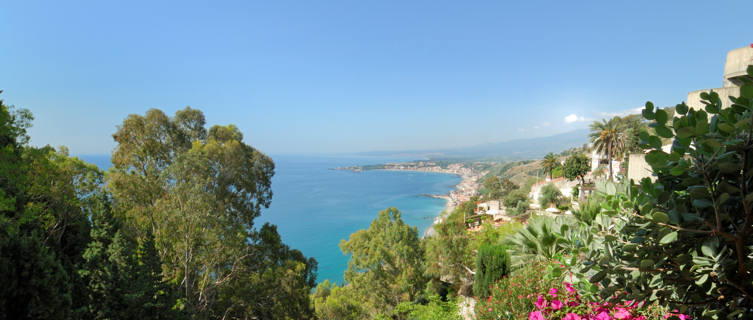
(347, 76)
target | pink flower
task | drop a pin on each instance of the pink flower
(684, 317)
(571, 316)
(640, 318)
(536, 315)
(569, 287)
(603, 316)
(556, 304)
(490, 309)
(621, 313)
(553, 292)
(540, 303)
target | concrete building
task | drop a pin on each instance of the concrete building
(735, 69)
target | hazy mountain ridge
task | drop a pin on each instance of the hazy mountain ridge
(516, 149)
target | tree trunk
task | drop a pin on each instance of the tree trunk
(611, 174)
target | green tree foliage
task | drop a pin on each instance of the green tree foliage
(517, 202)
(174, 239)
(492, 264)
(198, 192)
(550, 194)
(498, 188)
(385, 266)
(550, 162)
(337, 303)
(608, 138)
(576, 167)
(448, 252)
(435, 308)
(275, 281)
(43, 226)
(688, 236)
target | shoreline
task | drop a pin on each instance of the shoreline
(463, 191)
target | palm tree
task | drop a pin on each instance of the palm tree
(550, 163)
(608, 139)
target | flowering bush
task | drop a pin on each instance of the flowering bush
(568, 305)
(513, 296)
(537, 292)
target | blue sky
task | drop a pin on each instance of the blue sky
(348, 76)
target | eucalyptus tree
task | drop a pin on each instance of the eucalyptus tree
(197, 192)
(608, 139)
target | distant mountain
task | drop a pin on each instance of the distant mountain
(517, 149)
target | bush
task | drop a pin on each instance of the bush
(514, 197)
(513, 296)
(492, 263)
(550, 194)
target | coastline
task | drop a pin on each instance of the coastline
(464, 190)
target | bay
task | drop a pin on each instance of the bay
(315, 207)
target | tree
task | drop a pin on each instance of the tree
(576, 167)
(497, 188)
(197, 193)
(549, 163)
(492, 264)
(550, 194)
(336, 303)
(608, 139)
(385, 266)
(448, 253)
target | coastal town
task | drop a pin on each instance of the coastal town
(470, 173)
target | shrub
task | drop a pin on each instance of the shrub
(687, 238)
(513, 296)
(492, 263)
(550, 194)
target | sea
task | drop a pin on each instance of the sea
(315, 206)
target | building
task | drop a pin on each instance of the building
(735, 68)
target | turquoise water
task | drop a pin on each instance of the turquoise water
(314, 207)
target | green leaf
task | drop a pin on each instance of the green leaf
(702, 279)
(746, 90)
(649, 106)
(646, 264)
(712, 143)
(685, 132)
(708, 248)
(724, 127)
(664, 132)
(701, 203)
(598, 276)
(681, 108)
(670, 237)
(660, 217)
(647, 114)
(677, 170)
(657, 158)
(750, 70)
(661, 116)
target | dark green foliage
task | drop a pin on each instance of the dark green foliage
(550, 194)
(550, 162)
(687, 237)
(517, 202)
(71, 250)
(386, 265)
(496, 188)
(492, 263)
(576, 167)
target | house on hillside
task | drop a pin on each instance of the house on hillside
(735, 69)
(601, 160)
